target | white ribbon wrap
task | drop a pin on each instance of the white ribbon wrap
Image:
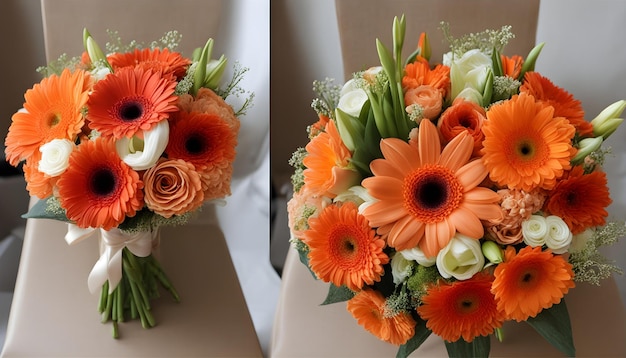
(109, 265)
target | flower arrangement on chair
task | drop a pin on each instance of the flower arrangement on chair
(121, 144)
(449, 198)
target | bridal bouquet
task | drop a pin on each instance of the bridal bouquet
(122, 143)
(451, 197)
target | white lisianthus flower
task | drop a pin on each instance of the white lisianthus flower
(535, 230)
(401, 268)
(416, 254)
(55, 156)
(356, 194)
(352, 101)
(470, 71)
(462, 258)
(143, 155)
(559, 235)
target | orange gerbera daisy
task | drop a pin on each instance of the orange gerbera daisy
(344, 249)
(129, 100)
(461, 309)
(419, 73)
(327, 164)
(52, 110)
(169, 63)
(369, 309)
(565, 105)
(525, 146)
(463, 116)
(512, 66)
(98, 189)
(424, 196)
(204, 140)
(580, 200)
(530, 281)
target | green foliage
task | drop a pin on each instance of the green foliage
(478, 347)
(338, 294)
(421, 333)
(554, 325)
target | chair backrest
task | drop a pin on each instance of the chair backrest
(360, 22)
(140, 20)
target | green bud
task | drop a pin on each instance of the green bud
(200, 74)
(531, 59)
(587, 146)
(492, 252)
(95, 53)
(350, 130)
(607, 121)
(214, 71)
(488, 91)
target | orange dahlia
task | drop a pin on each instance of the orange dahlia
(424, 196)
(530, 281)
(52, 110)
(344, 249)
(526, 146)
(419, 73)
(463, 116)
(130, 100)
(369, 309)
(98, 189)
(461, 309)
(169, 63)
(565, 105)
(580, 200)
(327, 164)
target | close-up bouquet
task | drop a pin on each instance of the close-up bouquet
(120, 142)
(451, 196)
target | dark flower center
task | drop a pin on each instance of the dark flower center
(103, 182)
(131, 111)
(525, 149)
(431, 193)
(195, 144)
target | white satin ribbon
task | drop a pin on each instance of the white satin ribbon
(109, 265)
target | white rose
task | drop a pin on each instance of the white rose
(535, 230)
(401, 268)
(141, 156)
(416, 254)
(55, 156)
(461, 258)
(356, 194)
(470, 70)
(352, 101)
(559, 235)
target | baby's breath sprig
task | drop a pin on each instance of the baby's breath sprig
(232, 88)
(589, 264)
(485, 41)
(504, 87)
(57, 66)
(328, 94)
(297, 178)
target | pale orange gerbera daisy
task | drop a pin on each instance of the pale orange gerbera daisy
(580, 200)
(461, 309)
(98, 189)
(130, 100)
(419, 73)
(52, 111)
(344, 249)
(526, 146)
(530, 281)
(564, 103)
(424, 196)
(165, 61)
(369, 309)
(327, 164)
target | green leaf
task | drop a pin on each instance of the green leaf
(304, 258)
(554, 325)
(421, 333)
(337, 294)
(478, 347)
(47, 208)
(531, 59)
(497, 63)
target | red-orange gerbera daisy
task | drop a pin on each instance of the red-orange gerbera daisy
(327, 164)
(344, 249)
(204, 140)
(369, 309)
(530, 281)
(129, 100)
(424, 196)
(461, 309)
(564, 103)
(512, 66)
(526, 146)
(165, 61)
(580, 200)
(52, 110)
(98, 189)
(419, 73)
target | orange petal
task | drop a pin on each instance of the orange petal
(399, 153)
(467, 223)
(429, 145)
(457, 152)
(472, 174)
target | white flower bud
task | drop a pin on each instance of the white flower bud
(462, 258)
(352, 101)
(416, 254)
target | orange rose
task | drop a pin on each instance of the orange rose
(427, 97)
(172, 187)
(463, 116)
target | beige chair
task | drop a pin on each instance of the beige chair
(303, 328)
(53, 313)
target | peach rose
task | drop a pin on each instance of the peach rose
(427, 97)
(463, 116)
(172, 187)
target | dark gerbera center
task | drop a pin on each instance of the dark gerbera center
(54, 119)
(432, 193)
(528, 278)
(525, 149)
(467, 304)
(195, 144)
(131, 111)
(571, 198)
(103, 182)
